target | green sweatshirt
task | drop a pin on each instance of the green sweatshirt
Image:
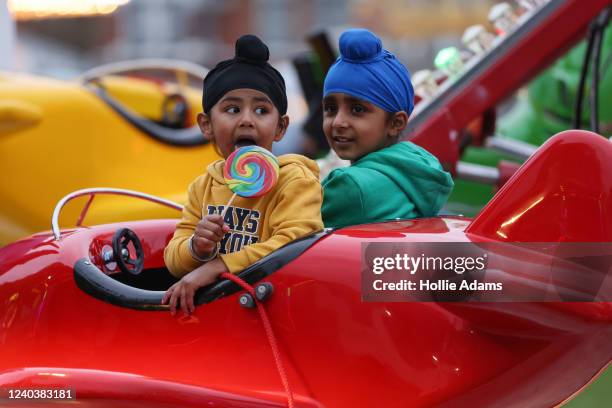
(400, 181)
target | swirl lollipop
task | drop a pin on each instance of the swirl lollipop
(250, 171)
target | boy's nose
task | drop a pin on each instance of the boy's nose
(246, 119)
(340, 120)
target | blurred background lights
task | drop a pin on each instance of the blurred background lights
(41, 9)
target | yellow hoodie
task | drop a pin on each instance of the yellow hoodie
(258, 225)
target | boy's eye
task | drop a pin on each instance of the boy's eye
(261, 111)
(358, 108)
(232, 109)
(329, 108)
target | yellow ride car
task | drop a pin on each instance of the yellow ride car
(128, 125)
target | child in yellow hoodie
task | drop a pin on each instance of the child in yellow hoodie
(244, 103)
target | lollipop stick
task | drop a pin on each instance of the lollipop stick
(227, 206)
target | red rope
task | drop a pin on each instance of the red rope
(269, 333)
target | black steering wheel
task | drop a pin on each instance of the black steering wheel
(121, 252)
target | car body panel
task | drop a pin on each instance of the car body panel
(66, 149)
(338, 350)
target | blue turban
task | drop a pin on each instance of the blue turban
(367, 71)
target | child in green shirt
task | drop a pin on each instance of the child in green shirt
(367, 98)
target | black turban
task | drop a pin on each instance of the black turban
(248, 69)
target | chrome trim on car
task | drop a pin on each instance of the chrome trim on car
(115, 68)
(102, 190)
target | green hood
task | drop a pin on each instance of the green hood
(401, 181)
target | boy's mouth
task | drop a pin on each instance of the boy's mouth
(244, 141)
(341, 139)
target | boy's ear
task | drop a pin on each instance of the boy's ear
(205, 125)
(398, 123)
(281, 128)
